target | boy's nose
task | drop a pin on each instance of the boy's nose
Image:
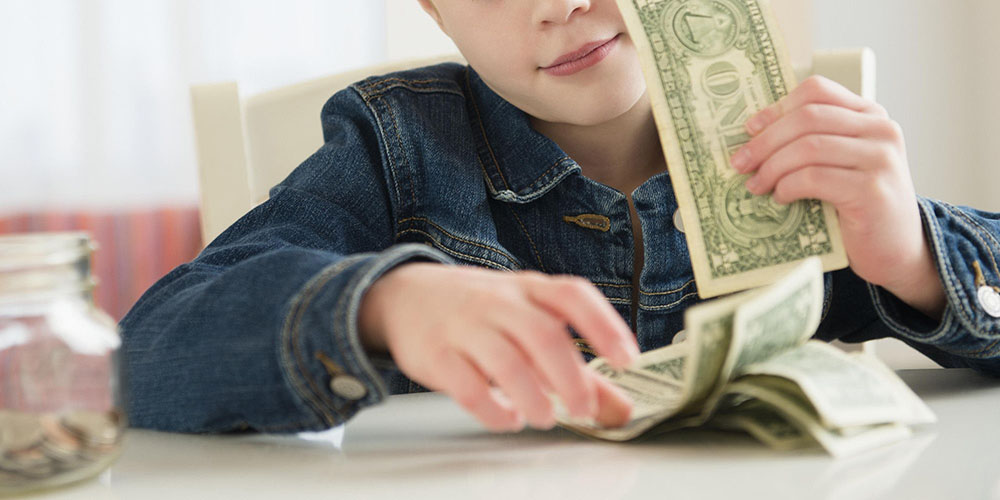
(559, 11)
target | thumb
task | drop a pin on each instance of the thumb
(615, 408)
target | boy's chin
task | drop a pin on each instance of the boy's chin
(585, 113)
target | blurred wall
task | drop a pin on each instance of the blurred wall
(937, 75)
(95, 94)
(411, 33)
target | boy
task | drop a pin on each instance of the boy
(540, 158)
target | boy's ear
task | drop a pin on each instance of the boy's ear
(431, 10)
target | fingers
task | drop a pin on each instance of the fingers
(832, 150)
(838, 186)
(467, 386)
(515, 376)
(547, 342)
(576, 301)
(615, 406)
(808, 120)
(814, 90)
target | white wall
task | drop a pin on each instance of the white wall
(937, 75)
(412, 34)
(95, 95)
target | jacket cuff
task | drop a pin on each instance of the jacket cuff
(960, 242)
(321, 352)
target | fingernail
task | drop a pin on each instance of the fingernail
(740, 161)
(519, 422)
(753, 184)
(755, 124)
(627, 356)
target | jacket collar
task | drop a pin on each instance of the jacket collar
(519, 163)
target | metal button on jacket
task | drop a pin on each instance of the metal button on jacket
(989, 300)
(348, 387)
(678, 220)
(681, 336)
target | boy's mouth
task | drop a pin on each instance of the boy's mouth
(582, 58)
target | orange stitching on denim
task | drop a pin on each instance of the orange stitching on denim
(668, 292)
(976, 352)
(584, 346)
(479, 119)
(381, 86)
(382, 81)
(667, 306)
(379, 95)
(530, 241)
(456, 237)
(950, 279)
(388, 153)
(454, 252)
(395, 127)
(314, 290)
(613, 285)
(978, 236)
(619, 285)
(485, 175)
(554, 165)
(291, 328)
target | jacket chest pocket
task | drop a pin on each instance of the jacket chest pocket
(466, 249)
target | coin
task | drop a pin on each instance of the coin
(59, 443)
(42, 449)
(18, 431)
(93, 428)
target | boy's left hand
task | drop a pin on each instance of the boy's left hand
(824, 142)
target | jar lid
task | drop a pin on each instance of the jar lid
(27, 251)
(43, 264)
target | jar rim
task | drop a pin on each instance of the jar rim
(31, 250)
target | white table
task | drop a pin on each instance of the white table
(424, 446)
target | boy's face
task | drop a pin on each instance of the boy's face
(511, 43)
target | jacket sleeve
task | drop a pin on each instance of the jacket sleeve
(260, 330)
(966, 248)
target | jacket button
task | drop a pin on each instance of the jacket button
(679, 337)
(989, 300)
(678, 220)
(348, 387)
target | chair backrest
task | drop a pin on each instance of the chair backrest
(247, 145)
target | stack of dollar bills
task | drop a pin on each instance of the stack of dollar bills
(748, 363)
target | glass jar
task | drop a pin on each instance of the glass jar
(61, 412)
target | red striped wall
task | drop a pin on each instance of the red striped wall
(135, 248)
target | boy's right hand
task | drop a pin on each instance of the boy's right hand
(461, 329)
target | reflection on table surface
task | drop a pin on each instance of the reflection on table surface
(425, 446)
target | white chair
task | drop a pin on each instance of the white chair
(247, 145)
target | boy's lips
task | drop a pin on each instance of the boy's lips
(582, 58)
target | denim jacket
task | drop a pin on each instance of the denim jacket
(260, 331)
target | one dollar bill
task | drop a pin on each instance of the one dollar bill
(709, 66)
(748, 363)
